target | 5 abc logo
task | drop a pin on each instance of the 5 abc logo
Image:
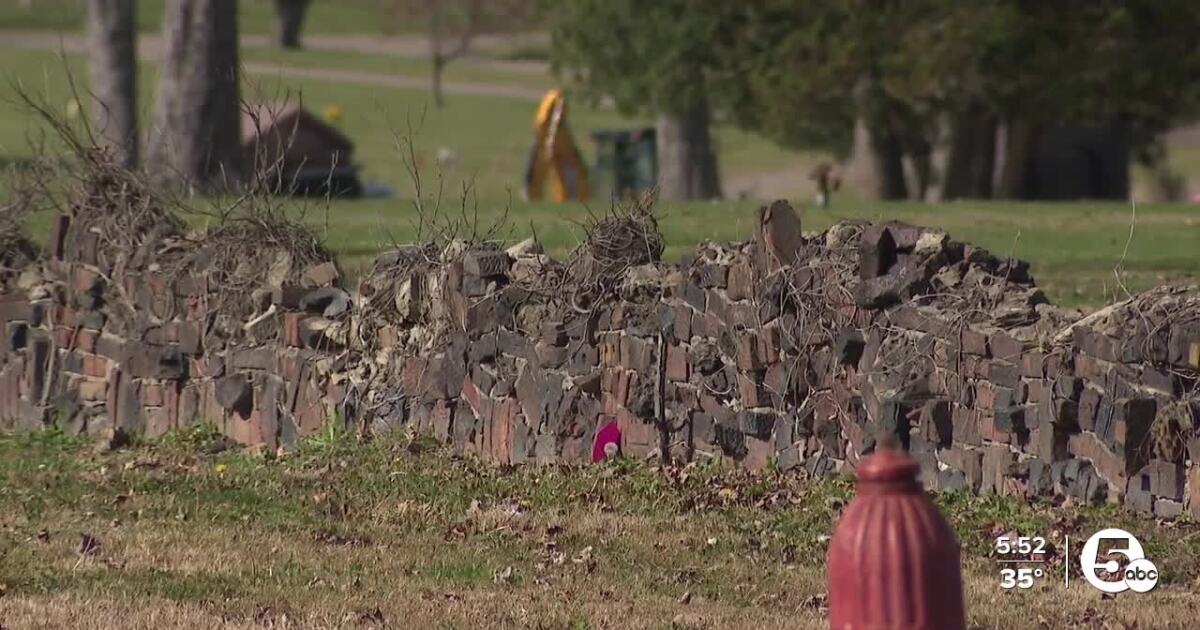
(1139, 575)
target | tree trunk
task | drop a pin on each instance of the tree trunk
(113, 41)
(437, 57)
(919, 174)
(887, 157)
(687, 164)
(878, 163)
(197, 121)
(1020, 140)
(972, 159)
(291, 20)
(439, 66)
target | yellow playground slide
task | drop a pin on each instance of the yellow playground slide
(554, 158)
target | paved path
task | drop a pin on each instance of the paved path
(150, 49)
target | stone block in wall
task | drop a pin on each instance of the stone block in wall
(289, 296)
(637, 354)
(681, 327)
(1184, 346)
(124, 404)
(740, 281)
(581, 358)
(441, 419)
(1167, 479)
(15, 307)
(610, 349)
(159, 422)
(639, 436)
(1168, 509)
(1049, 442)
(710, 275)
(1038, 481)
(1088, 408)
(1192, 498)
(1058, 412)
(719, 307)
(1138, 496)
(1003, 373)
(1086, 485)
(421, 378)
(876, 252)
(151, 394)
(730, 439)
(1004, 346)
(1033, 364)
(1010, 418)
(485, 263)
(1110, 466)
(464, 429)
(1131, 423)
(1093, 343)
(1160, 380)
(968, 461)
(16, 335)
(185, 335)
(235, 392)
(36, 364)
(677, 367)
(997, 460)
(751, 390)
(759, 423)
(550, 356)
(966, 425)
(145, 361)
(936, 423)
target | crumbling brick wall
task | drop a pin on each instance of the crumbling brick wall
(791, 351)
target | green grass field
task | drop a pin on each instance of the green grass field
(395, 533)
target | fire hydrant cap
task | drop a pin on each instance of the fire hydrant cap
(888, 465)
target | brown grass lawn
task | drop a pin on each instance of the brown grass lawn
(388, 534)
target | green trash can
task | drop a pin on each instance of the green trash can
(626, 163)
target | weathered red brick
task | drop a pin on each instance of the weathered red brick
(677, 366)
(1193, 491)
(95, 365)
(92, 390)
(637, 354)
(442, 418)
(741, 281)
(747, 354)
(158, 422)
(1110, 467)
(152, 394)
(1004, 346)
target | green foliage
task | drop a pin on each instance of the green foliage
(802, 72)
(650, 57)
(332, 439)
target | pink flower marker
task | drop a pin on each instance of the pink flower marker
(608, 442)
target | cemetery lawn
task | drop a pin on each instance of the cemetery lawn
(1073, 247)
(393, 532)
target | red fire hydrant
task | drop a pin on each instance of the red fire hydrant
(894, 561)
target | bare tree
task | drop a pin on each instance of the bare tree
(195, 140)
(113, 68)
(291, 20)
(438, 32)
